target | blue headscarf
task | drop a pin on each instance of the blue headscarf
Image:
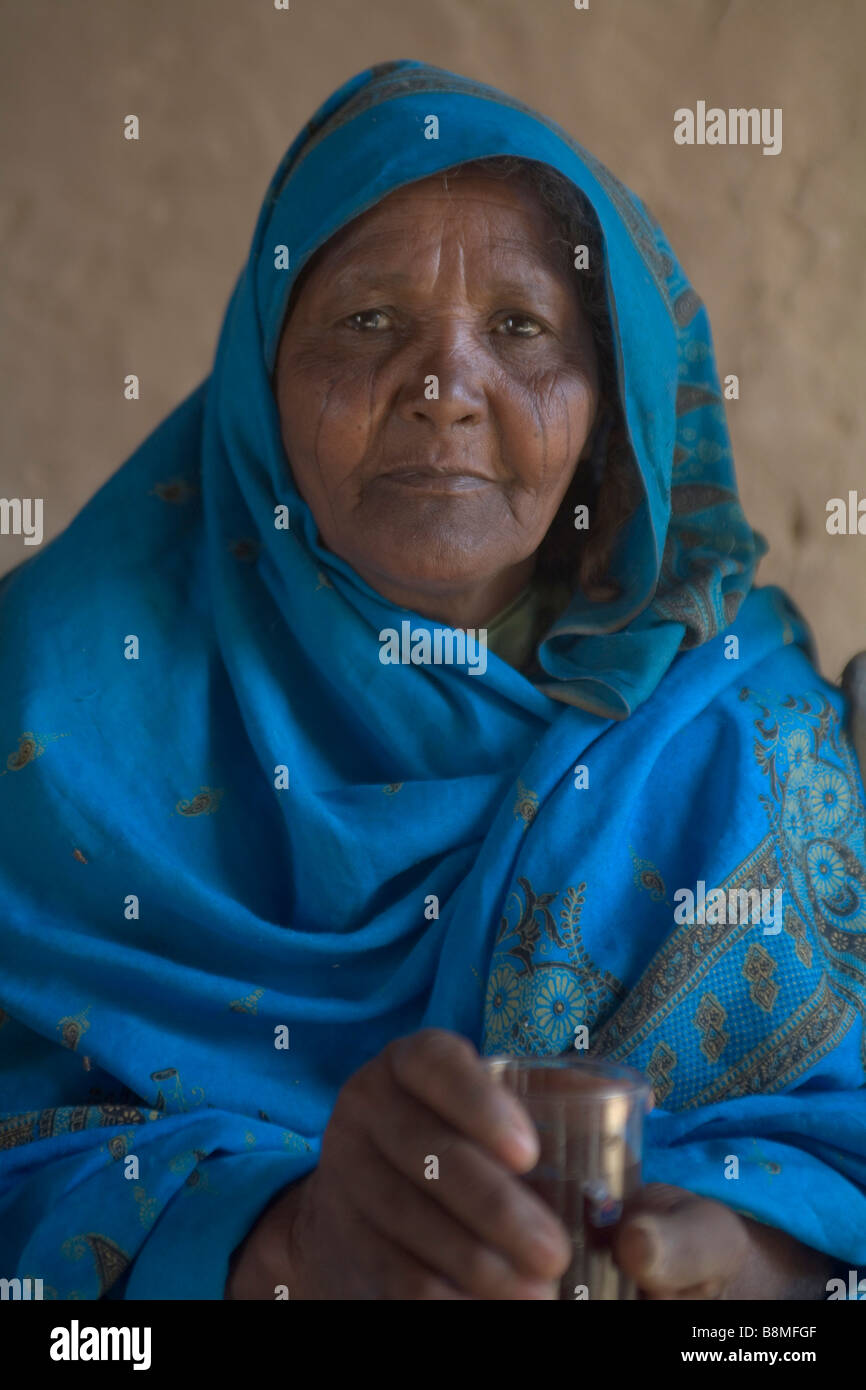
(240, 855)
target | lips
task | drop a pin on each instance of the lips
(434, 478)
(435, 473)
(433, 468)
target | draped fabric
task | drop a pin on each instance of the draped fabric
(239, 854)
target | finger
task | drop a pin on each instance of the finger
(390, 1273)
(444, 1072)
(711, 1290)
(493, 1204)
(693, 1242)
(346, 1258)
(421, 1227)
(658, 1196)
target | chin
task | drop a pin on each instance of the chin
(433, 573)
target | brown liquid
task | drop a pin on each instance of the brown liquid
(588, 1118)
(589, 1204)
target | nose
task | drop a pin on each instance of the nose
(444, 381)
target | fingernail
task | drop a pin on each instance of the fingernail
(520, 1134)
(545, 1244)
(526, 1142)
(538, 1290)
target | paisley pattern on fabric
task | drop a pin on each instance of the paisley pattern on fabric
(204, 803)
(69, 1119)
(534, 1005)
(30, 746)
(259, 649)
(174, 490)
(682, 1020)
(109, 1259)
(526, 805)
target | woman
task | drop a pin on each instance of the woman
(273, 874)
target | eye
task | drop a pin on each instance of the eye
(356, 321)
(521, 326)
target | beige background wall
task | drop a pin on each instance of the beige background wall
(119, 257)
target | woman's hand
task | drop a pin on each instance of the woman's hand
(676, 1245)
(369, 1224)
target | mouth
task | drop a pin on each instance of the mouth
(433, 478)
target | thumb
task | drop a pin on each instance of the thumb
(675, 1241)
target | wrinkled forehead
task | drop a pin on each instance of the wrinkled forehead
(496, 225)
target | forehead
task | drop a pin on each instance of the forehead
(483, 212)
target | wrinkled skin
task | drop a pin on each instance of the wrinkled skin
(518, 394)
(461, 282)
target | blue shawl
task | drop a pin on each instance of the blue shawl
(239, 854)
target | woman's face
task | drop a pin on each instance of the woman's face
(437, 384)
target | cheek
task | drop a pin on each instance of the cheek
(545, 418)
(333, 410)
(325, 415)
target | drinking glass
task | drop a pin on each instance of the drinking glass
(589, 1117)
